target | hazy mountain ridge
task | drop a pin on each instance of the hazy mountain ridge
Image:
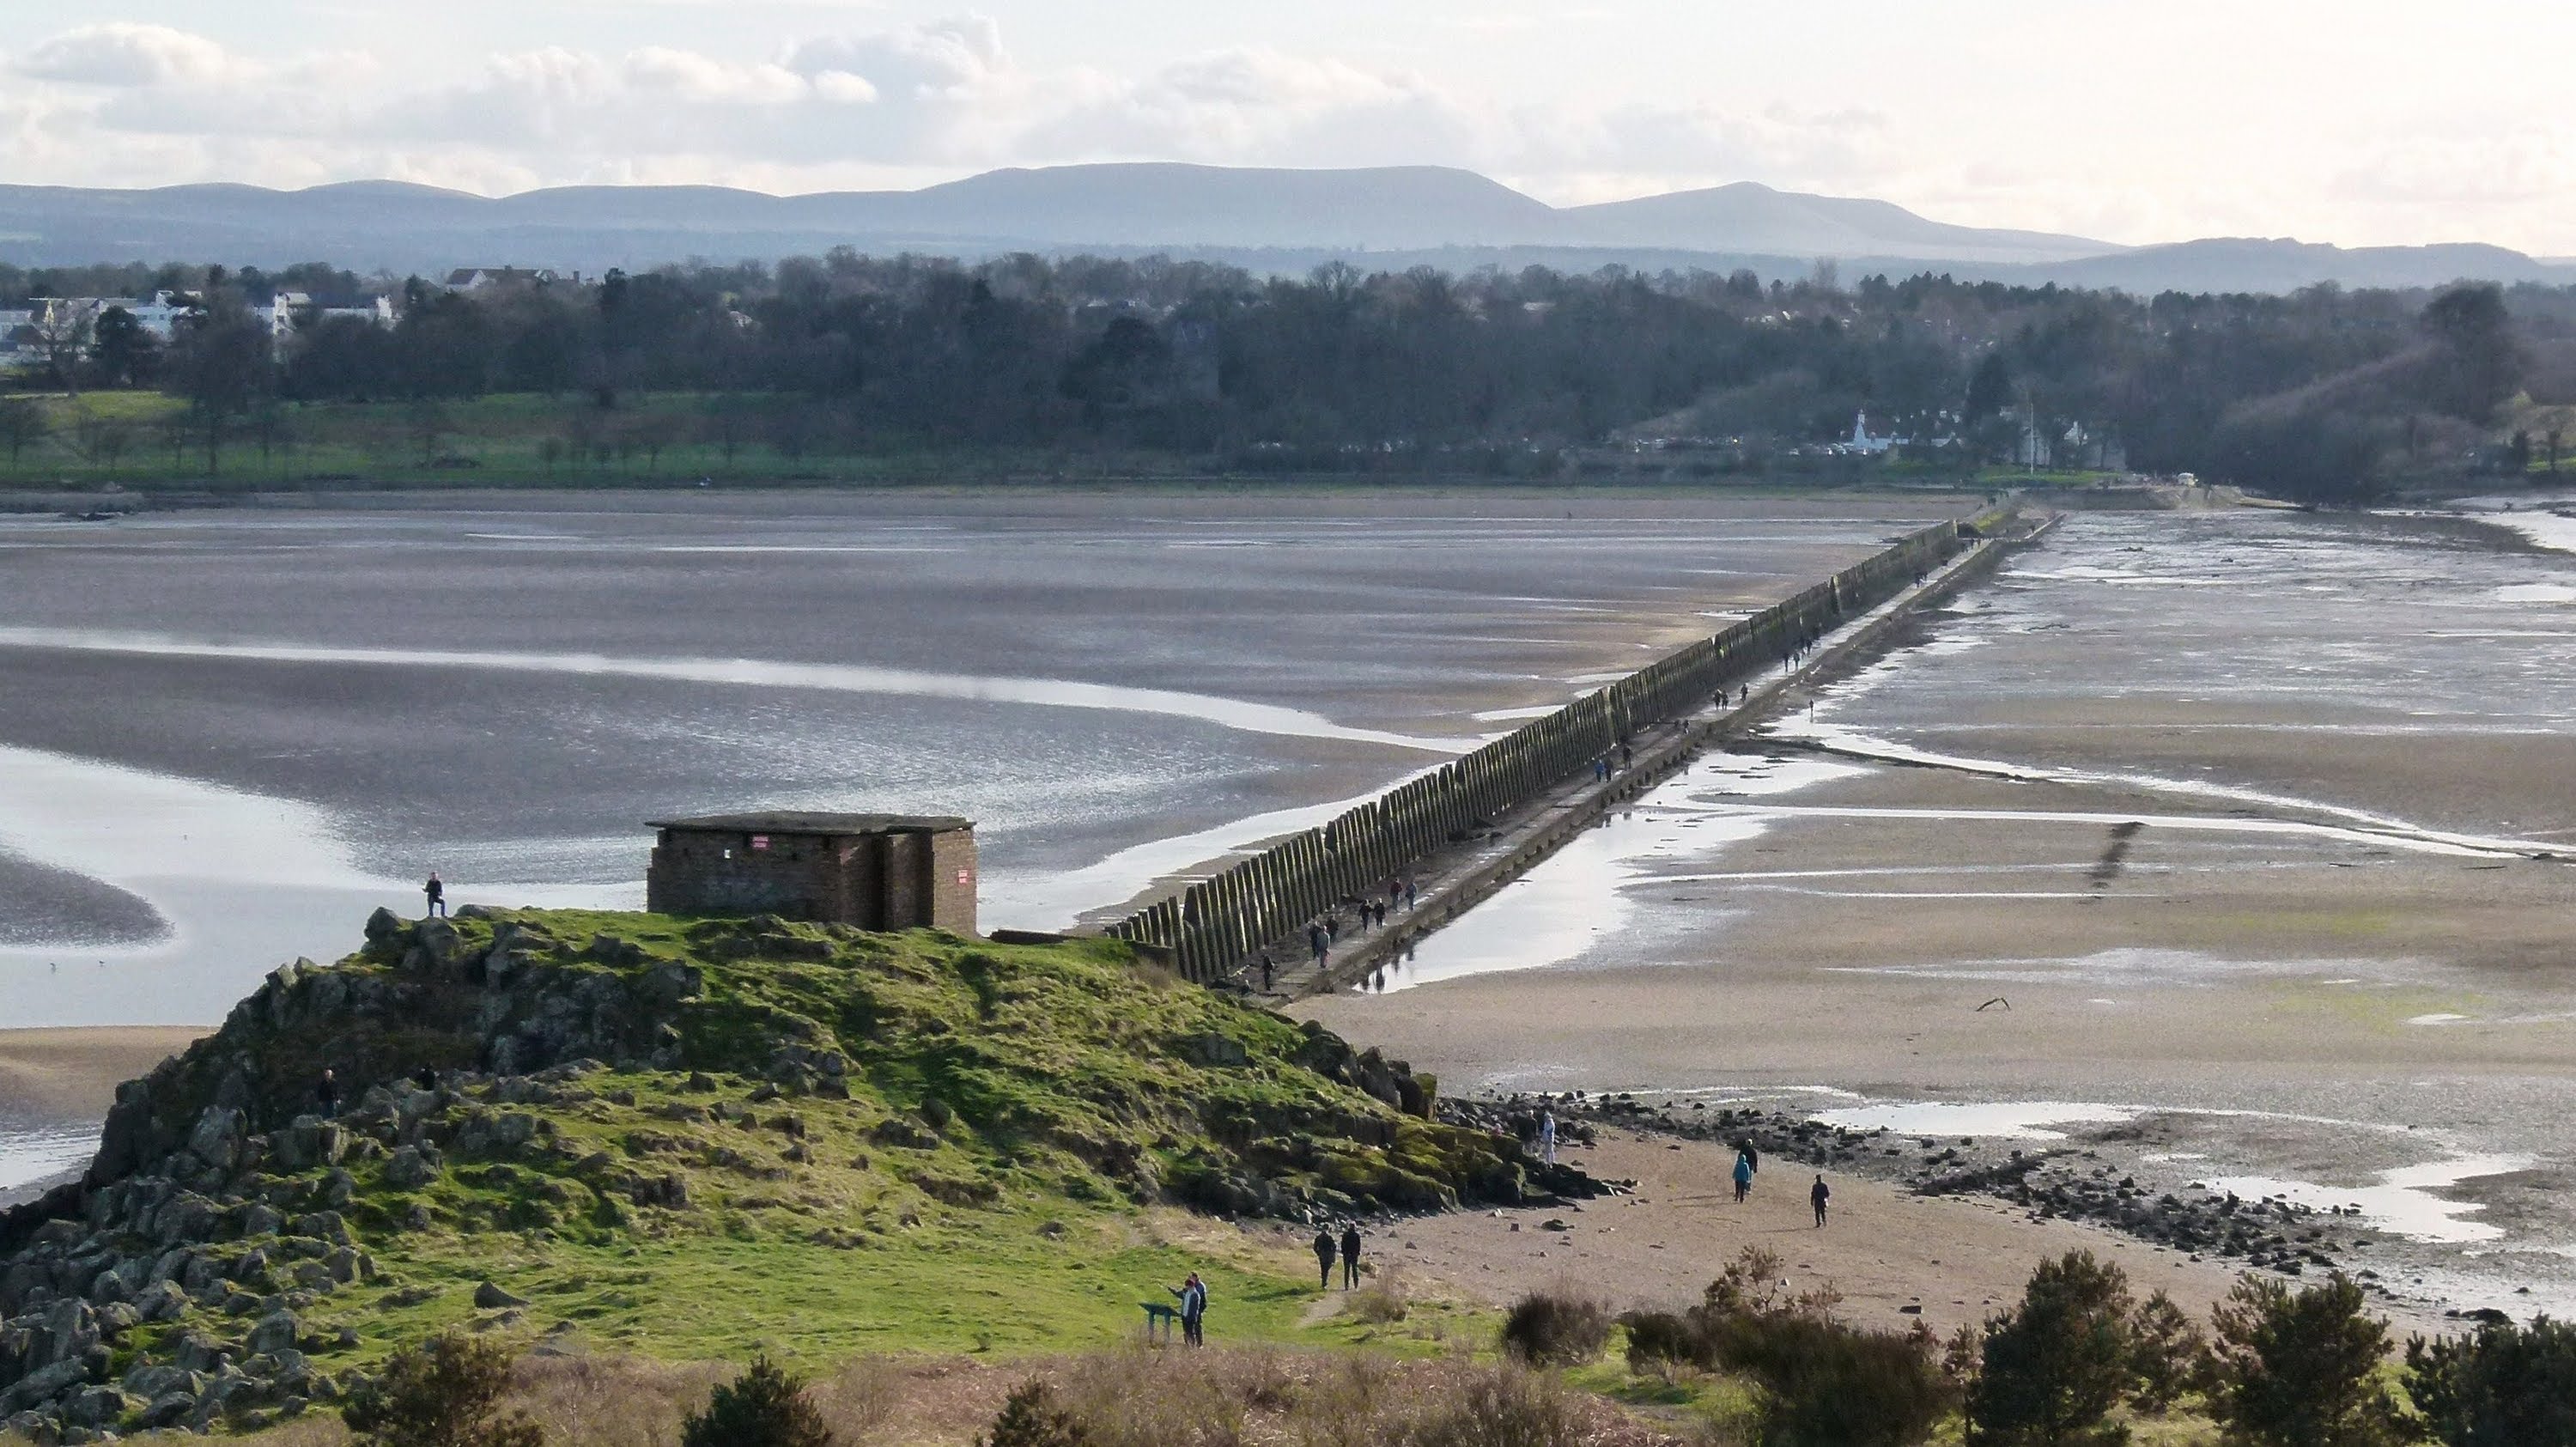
(1264, 219)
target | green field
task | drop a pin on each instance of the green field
(147, 441)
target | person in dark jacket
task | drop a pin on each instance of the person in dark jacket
(1350, 1256)
(1324, 1257)
(436, 894)
(1193, 1295)
(1817, 1196)
(326, 1094)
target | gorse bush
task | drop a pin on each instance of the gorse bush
(1552, 1329)
(2299, 1369)
(1031, 1418)
(1818, 1382)
(2056, 1365)
(764, 1407)
(2505, 1386)
(1827, 1384)
(445, 1392)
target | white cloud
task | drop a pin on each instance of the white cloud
(946, 93)
(840, 102)
(121, 54)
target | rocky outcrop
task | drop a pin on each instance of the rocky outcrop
(200, 1272)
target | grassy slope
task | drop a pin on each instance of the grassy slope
(501, 440)
(498, 440)
(1067, 1079)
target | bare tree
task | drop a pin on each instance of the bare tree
(653, 433)
(725, 426)
(100, 438)
(430, 427)
(62, 332)
(23, 420)
(272, 429)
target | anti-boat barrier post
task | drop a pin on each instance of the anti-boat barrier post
(1210, 928)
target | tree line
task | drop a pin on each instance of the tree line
(2324, 393)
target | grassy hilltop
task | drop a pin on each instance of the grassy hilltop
(689, 1140)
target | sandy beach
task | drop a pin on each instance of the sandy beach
(1895, 1257)
(72, 1074)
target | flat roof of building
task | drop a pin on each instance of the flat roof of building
(794, 822)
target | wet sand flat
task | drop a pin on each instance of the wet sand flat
(226, 735)
(2234, 825)
(72, 1075)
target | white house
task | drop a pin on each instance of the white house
(288, 310)
(477, 278)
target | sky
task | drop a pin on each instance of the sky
(2360, 122)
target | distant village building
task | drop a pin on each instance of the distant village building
(873, 871)
(27, 333)
(288, 310)
(1862, 443)
(481, 278)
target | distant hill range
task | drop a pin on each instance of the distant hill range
(1271, 220)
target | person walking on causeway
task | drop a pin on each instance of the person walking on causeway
(1324, 1252)
(1817, 1196)
(1350, 1255)
(1743, 1178)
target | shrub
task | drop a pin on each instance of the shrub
(1383, 1300)
(1822, 1383)
(1818, 1382)
(1494, 1408)
(2506, 1386)
(1030, 1418)
(2054, 1366)
(1141, 1398)
(2295, 1369)
(445, 1392)
(1661, 1336)
(860, 1398)
(764, 1407)
(2168, 1355)
(1552, 1329)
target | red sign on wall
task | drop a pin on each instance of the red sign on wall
(965, 877)
(760, 841)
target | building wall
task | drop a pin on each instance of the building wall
(886, 881)
(695, 873)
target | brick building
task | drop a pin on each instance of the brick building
(875, 871)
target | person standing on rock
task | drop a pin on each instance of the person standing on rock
(1350, 1255)
(1324, 1253)
(1743, 1178)
(1547, 1136)
(437, 894)
(1269, 973)
(1817, 1195)
(326, 1094)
